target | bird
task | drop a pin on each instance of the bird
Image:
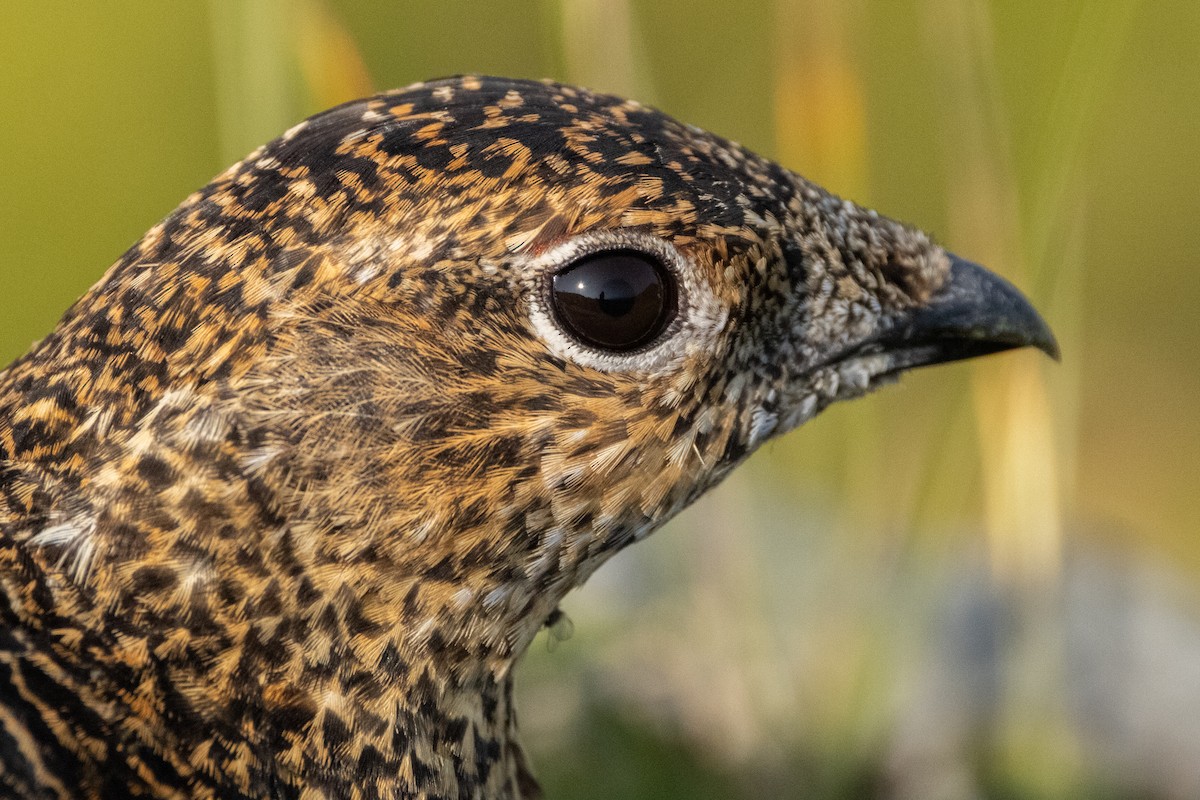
(285, 496)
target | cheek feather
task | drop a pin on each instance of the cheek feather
(762, 425)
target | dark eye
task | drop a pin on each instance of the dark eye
(616, 300)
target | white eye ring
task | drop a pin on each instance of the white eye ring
(698, 315)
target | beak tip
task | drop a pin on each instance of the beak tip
(1049, 345)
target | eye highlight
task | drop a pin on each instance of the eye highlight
(616, 300)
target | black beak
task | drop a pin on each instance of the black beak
(974, 313)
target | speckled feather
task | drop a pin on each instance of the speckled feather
(285, 496)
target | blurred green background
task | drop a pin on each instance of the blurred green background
(982, 583)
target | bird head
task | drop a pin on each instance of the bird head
(457, 344)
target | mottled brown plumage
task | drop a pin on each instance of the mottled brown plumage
(286, 495)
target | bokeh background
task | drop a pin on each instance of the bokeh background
(983, 583)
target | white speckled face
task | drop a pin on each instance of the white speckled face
(699, 317)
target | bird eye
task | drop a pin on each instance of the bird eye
(617, 300)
